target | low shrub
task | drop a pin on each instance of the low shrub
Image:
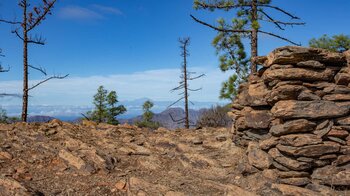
(215, 117)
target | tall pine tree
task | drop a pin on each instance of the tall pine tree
(106, 109)
(245, 25)
(112, 109)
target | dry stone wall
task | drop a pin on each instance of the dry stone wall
(294, 116)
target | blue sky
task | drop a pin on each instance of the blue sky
(131, 46)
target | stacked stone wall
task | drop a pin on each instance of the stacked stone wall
(294, 116)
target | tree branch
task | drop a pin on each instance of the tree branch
(179, 120)
(211, 6)
(202, 75)
(9, 95)
(176, 102)
(279, 9)
(40, 69)
(4, 70)
(36, 40)
(16, 32)
(177, 88)
(277, 22)
(271, 19)
(279, 37)
(193, 90)
(42, 16)
(9, 22)
(86, 118)
(220, 29)
(47, 79)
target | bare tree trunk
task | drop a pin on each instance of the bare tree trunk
(25, 64)
(187, 124)
(254, 37)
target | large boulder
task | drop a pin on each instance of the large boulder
(298, 74)
(333, 176)
(335, 89)
(315, 150)
(285, 92)
(293, 190)
(259, 158)
(343, 76)
(298, 140)
(288, 162)
(308, 109)
(347, 56)
(294, 126)
(311, 64)
(295, 54)
(254, 119)
(253, 94)
(268, 143)
(343, 121)
(337, 97)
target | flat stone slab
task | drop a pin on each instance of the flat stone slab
(292, 109)
(292, 54)
(310, 150)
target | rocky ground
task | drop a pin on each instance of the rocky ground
(65, 159)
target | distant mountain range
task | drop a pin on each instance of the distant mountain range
(165, 119)
(40, 118)
(70, 113)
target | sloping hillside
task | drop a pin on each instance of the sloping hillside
(65, 159)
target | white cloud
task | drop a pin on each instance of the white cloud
(78, 13)
(153, 84)
(94, 12)
(107, 9)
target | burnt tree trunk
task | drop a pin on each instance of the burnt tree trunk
(187, 124)
(184, 84)
(254, 37)
(25, 64)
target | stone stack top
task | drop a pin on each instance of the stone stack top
(295, 54)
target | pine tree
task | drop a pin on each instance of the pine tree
(106, 109)
(245, 25)
(147, 116)
(147, 113)
(113, 110)
(100, 113)
(336, 43)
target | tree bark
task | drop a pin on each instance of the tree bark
(25, 64)
(254, 37)
(187, 124)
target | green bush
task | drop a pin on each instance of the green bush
(148, 124)
(4, 119)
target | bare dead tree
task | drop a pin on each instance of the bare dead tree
(185, 77)
(2, 95)
(31, 20)
(249, 13)
(1, 67)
